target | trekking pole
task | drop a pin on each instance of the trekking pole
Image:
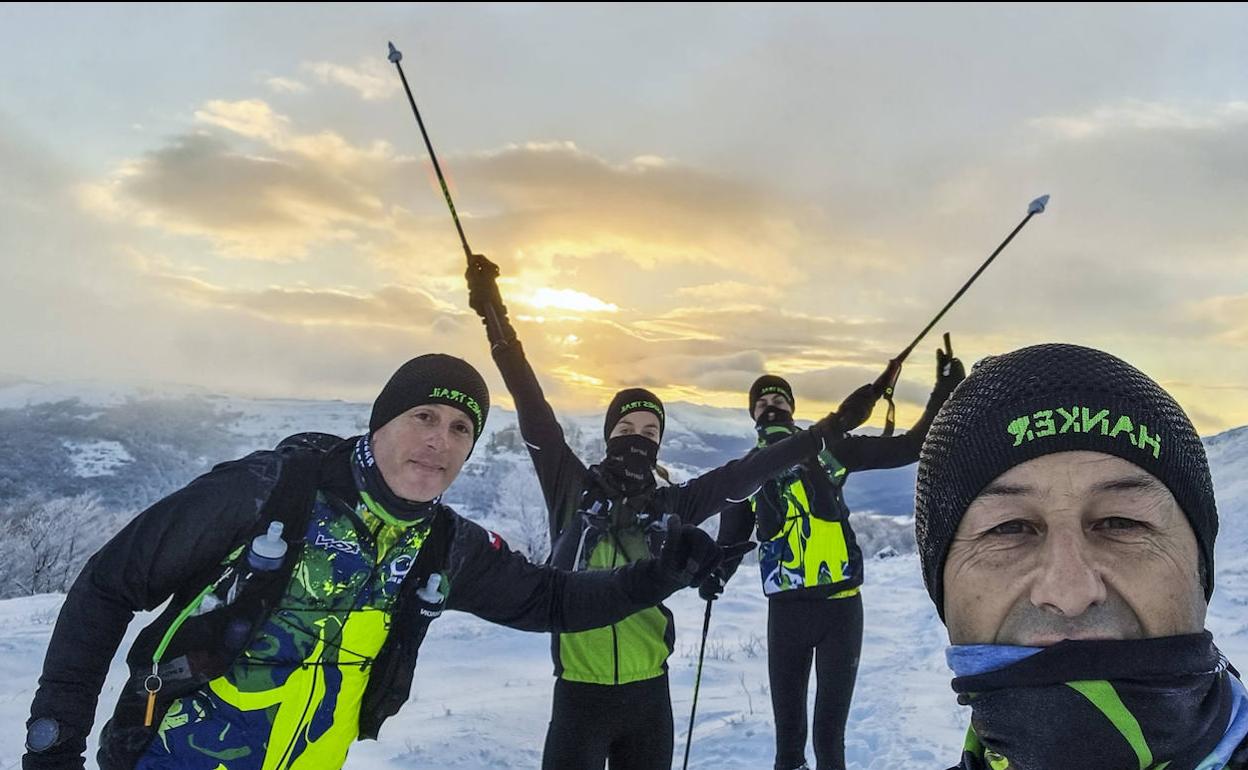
(491, 317)
(697, 682)
(888, 380)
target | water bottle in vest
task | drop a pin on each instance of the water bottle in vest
(264, 555)
(430, 596)
(267, 550)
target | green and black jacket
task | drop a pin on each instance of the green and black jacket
(637, 647)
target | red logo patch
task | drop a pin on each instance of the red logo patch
(496, 542)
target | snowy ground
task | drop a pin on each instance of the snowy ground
(483, 693)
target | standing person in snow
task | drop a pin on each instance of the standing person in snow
(811, 566)
(303, 581)
(1065, 521)
(611, 697)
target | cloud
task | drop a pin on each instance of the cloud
(388, 307)
(371, 79)
(249, 206)
(250, 184)
(258, 187)
(1137, 115)
(729, 291)
(251, 118)
(283, 85)
(645, 269)
(1227, 316)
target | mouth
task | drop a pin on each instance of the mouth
(1049, 640)
(428, 466)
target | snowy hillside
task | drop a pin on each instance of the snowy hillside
(482, 693)
(133, 446)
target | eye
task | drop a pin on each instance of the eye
(1119, 524)
(423, 416)
(463, 427)
(1011, 528)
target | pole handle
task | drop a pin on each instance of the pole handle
(884, 384)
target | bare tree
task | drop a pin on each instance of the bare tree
(50, 540)
(520, 499)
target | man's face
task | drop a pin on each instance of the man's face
(771, 399)
(638, 423)
(421, 451)
(1074, 545)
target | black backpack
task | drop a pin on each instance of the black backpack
(192, 650)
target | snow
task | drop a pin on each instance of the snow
(482, 693)
(96, 458)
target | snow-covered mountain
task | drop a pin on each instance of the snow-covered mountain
(117, 449)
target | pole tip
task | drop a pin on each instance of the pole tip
(395, 56)
(1037, 206)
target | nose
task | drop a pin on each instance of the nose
(439, 438)
(1069, 582)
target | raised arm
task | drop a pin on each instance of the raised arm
(559, 471)
(860, 453)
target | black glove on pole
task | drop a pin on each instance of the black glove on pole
(485, 299)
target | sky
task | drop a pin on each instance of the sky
(679, 197)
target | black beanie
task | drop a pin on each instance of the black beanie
(1046, 399)
(633, 400)
(770, 383)
(433, 378)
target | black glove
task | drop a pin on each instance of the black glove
(482, 277)
(949, 372)
(484, 298)
(853, 411)
(713, 586)
(857, 406)
(690, 555)
(54, 761)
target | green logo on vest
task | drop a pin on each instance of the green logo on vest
(1081, 419)
(463, 399)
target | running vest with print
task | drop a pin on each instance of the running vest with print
(807, 548)
(292, 699)
(606, 533)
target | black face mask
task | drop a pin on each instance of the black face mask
(1109, 704)
(774, 424)
(630, 461)
(773, 415)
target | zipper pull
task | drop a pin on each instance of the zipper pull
(152, 684)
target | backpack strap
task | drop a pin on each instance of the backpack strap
(390, 681)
